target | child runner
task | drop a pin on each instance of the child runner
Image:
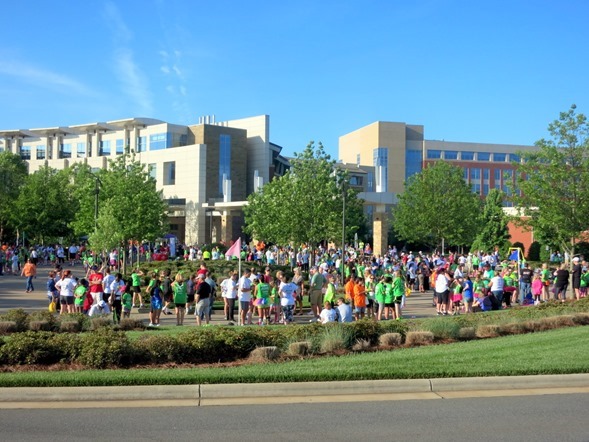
(359, 299)
(398, 292)
(262, 294)
(80, 295)
(537, 287)
(117, 290)
(180, 297)
(467, 293)
(328, 314)
(136, 288)
(127, 300)
(156, 302)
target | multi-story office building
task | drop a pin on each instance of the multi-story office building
(195, 166)
(397, 151)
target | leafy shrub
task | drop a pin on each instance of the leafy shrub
(534, 251)
(390, 339)
(31, 348)
(105, 348)
(7, 327)
(365, 329)
(99, 322)
(45, 315)
(131, 324)
(82, 319)
(513, 328)
(581, 318)
(70, 327)
(419, 338)
(401, 327)
(19, 317)
(158, 349)
(39, 326)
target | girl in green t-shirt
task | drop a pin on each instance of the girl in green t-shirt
(180, 295)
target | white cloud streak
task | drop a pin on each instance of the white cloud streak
(134, 82)
(44, 78)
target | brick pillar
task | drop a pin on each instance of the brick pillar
(380, 227)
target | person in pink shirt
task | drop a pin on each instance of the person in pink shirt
(537, 286)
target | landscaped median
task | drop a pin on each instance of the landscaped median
(169, 357)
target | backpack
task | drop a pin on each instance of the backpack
(166, 286)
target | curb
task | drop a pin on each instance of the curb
(217, 394)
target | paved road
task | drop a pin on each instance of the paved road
(535, 418)
(13, 295)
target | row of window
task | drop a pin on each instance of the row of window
(435, 154)
(156, 142)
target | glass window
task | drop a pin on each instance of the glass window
(467, 156)
(475, 174)
(158, 141)
(514, 157)
(413, 162)
(485, 189)
(41, 152)
(483, 156)
(434, 154)
(169, 173)
(497, 174)
(381, 165)
(224, 159)
(104, 148)
(81, 150)
(476, 188)
(120, 147)
(500, 157)
(65, 150)
(25, 152)
(465, 176)
(141, 144)
(450, 155)
(152, 169)
(356, 180)
(370, 184)
(485, 174)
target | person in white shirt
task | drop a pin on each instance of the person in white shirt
(229, 294)
(286, 291)
(244, 289)
(328, 314)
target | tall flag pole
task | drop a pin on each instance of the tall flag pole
(235, 250)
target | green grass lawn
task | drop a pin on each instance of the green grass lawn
(554, 352)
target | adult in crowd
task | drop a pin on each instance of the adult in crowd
(229, 295)
(66, 286)
(526, 275)
(244, 288)
(202, 296)
(577, 272)
(442, 290)
(561, 282)
(316, 287)
(29, 271)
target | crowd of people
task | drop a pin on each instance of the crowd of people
(339, 286)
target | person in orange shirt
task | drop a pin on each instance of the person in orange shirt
(359, 299)
(29, 271)
(349, 290)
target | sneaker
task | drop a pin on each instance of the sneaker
(151, 325)
(142, 306)
(157, 325)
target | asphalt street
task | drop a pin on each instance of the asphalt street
(534, 418)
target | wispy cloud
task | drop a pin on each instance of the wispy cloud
(134, 82)
(44, 78)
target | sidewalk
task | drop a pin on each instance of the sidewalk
(13, 295)
(288, 392)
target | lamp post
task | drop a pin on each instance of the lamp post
(97, 183)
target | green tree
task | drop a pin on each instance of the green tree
(437, 206)
(13, 171)
(129, 203)
(493, 225)
(305, 204)
(552, 183)
(84, 191)
(45, 205)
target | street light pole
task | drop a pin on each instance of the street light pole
(343, 228)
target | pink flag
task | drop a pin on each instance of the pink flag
(235, 249)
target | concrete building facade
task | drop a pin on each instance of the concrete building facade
(194, 166)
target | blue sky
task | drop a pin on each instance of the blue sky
(468, 70)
